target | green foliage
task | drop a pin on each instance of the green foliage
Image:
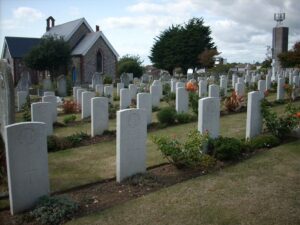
(184, 117)
(225, 148)
(27, 109)
(167, 115)
(193, 101)
(112, 111)
(52, 54)
(69, 118)
(282, 126)
(180, 45)
(76, 138)
(263, 141)
(166, 89)
(187, 154)
(107, 79)
(291, 58)
(54, 210)
(130, 64)
(155, 108)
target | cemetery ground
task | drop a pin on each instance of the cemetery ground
(95, 163)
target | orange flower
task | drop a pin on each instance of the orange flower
(190, 86)
(298, 115)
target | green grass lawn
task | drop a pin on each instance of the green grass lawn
(262, 190)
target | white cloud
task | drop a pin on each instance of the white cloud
(21, 16)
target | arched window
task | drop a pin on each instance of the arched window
(99, 62)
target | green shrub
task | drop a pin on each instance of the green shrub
(170, 97)
(107, 80)
(183, 117)
(166, 89)
(69, 118)
(193, 101)
(75, 139)
(54, 210)
(27, 109)
(188, 154)
(155, 108)
(112, 111)
(264, 141)
(167, 115)
(225, 148)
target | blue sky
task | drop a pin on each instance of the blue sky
(241, 29)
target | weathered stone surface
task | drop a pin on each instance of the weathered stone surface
(280, 88)
(182, 100)
(7, 97)
(119, 87)
(179, 84)
(24, 82)
(234, 80)
(125, 98)
(86, 103)
(131, 143)
(262, 87)
(75, 93)
(96, 79)
(254, 118)
(108, 92)
(173, 85)
(47, 84)
(43, 112)
(27, 164)
(53, 101)
(21, 98)
(223, 85)
(159, 84)
(62, 86)
(133, 91)
(268, 82)
(125, 79)
(144, 101)
(79, 96)
(240, 89)
(99, 88)
(99, 116)
(202, 88)
(49, 93)
(155, 93)
(213, 91)
(209, 116)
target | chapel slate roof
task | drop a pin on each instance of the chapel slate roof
(88, 41)
(20, 46)
(66, 30)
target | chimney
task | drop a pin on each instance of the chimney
(50, 25)
(97, 28)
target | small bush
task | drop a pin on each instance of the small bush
(70, 107)
(54, 210)
(107, 80)
(166, 89)
(69, 118)
(225, 148)
(264, 141)
(155, 108)
(183, 117)
(167, 115)
(188, 154)
(27, 109)
(75, 139)
(193, 101)
(234, 102)
(112, 111)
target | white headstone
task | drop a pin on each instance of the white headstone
(49, 93)
(179, 84)
(173, 85)
(96, 79)
(108, 92)
(99, 88)
(62, 86)
(75, 93)
(125, 98)
(280, 89)
(27, 164)
(209, 116)
(144, 101)
(213, 91)
(234, 80)
(21, 97)
(79, 96)
(155, 93)
(202, 88)
(182, 100)
(119, 87)
(47, 84)
(160, 90)
(262, 87)
(53, 101)
(268, 82)
(86, 103)
(254, 118)
(131, 142)
(223, 85)
(133, 91)
(239, 89)
(99, 116)
(43, 112)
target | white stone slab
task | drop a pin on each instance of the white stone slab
(119, 87)
(99, 116)
(108, 92)
(182, 100)
(262, 86)
(131, 143)
(79, 96)
(209, 116)
(213, 91)
(99, 88)
(86, 104)
(144, 101)
(53, 101)
(125, 98)
(254, 118)
(240, 89)
(280, 89)
(27, 164)
(133, 91)
(21, 99)
(43, 112)
(202, 88)
(49, 93)
(155, 93)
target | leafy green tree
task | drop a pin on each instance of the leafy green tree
(52, 54)
(206, 58)
(180, 45)
(130, 64)
(291, 58)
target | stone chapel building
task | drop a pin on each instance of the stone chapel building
(91, 50)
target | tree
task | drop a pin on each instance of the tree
(180, 45)
(130, 64)
(52, 54)
(291, 58)
(206, 58)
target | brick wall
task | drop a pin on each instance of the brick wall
(78, 35)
